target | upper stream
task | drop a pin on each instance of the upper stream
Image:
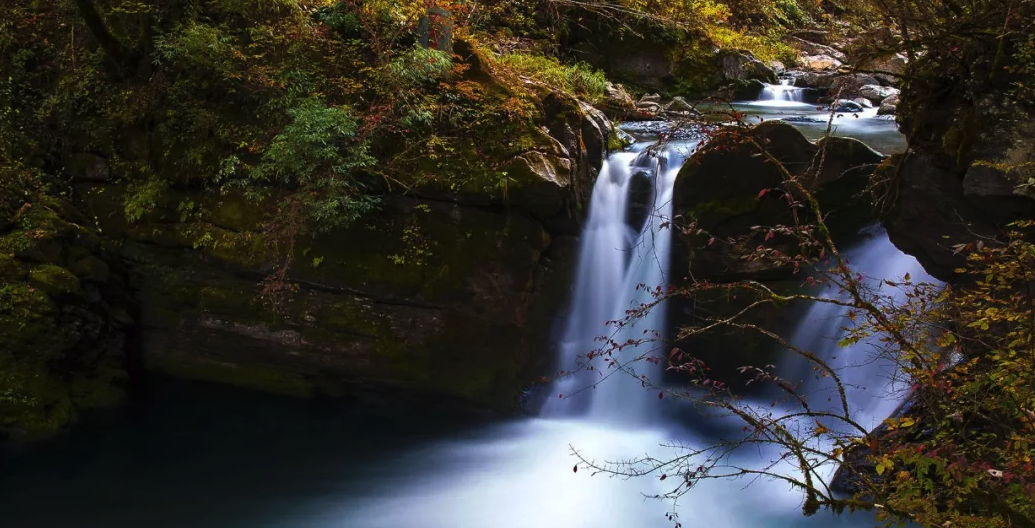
(212, 458)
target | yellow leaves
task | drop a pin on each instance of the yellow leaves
(885, 464)
(899, 423)
(820, 429)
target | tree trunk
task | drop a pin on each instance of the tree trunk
(116, 52)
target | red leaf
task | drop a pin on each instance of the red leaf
(711, 241)
(663, 477)
(762, 193)
(661, 395)
(575, 469)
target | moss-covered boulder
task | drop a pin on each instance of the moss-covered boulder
(54, 280)
(720, 190)
(63, 348)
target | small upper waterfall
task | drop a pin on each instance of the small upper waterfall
(619, 265)
(782, 92)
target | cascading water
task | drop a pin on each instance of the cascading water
(619, 264)
(872, 386)
(784, 92)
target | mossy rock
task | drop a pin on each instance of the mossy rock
(235, 211)
(730, 186)
(32, 399)
(91, 268)
(10, 269)
(256, 377)
(54, 280)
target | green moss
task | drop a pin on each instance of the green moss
(63, 210)
(26, 319)
(235, 212)
(10, 269)
(32, 399)
(257, 377)
(91, 268)
(54, 280)
(715, 211)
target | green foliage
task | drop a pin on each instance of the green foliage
(143, 197)
(418, 66)
(578, 78)
(201, 45)
(321, 153)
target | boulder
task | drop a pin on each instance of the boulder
(649, 107)
(850, 86)
(877, 93)
(619, 103)
(846, 105)
(888, 68)
(889, 105)
(618, 93)
(596, 130)
(864, 102)
(720, 185)
(748, 90)
(811, 48)
(650, 98)
(819, 62)
(814, 80)
(736, 66)
(680, 105)
(931, 214)
(719, 189)
(778, 67)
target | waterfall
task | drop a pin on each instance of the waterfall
(872, 384)
(616, 257)
(782, 92)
